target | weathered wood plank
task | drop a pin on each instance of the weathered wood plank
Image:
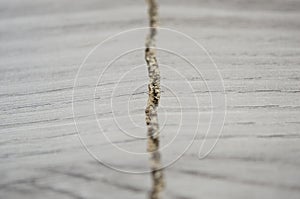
(256, 47)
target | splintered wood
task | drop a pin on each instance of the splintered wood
(152, 104)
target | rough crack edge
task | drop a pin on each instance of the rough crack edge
(152, 104)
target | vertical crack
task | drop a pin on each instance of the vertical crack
(152, 103)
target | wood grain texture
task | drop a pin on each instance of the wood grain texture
(256, 47)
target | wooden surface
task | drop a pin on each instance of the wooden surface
(256, 47)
